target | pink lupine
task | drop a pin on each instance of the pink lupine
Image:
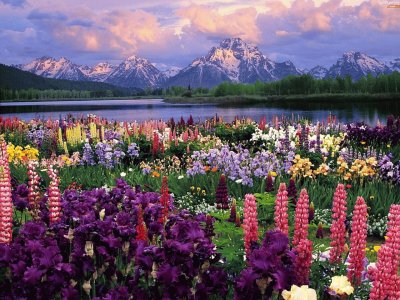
(6, 208)
(385, 285)
(281, 209)
(338, 228)
(33, 185)
(358, 242)
(301, 218)
(54, 196)
(303, 260)
(250, 222)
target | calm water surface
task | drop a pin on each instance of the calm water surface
(145, 109)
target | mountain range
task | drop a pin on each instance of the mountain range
(233, 60)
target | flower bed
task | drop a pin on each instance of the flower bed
(211, 210)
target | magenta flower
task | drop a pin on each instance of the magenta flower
(281, 209)
(250, 222)
(386, 283)
(338, 228)
(358, 242)
(301, 218)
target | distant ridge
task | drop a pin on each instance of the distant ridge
(233, 60)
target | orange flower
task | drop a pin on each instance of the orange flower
(206, 168)
(155, 174)
(215, 169)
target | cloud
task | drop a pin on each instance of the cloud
(204, 20)
(40, 15)
(175, 32)
(14, 3)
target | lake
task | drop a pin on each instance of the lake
(145, 109)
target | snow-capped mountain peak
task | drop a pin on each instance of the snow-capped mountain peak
(395, 65)
(232, 60)
(357, 65)
(136, 72)
(98, 72)
(49, 67)
(318, 72)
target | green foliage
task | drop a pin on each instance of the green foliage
(229, 241)
(307, 85)
(265, 208)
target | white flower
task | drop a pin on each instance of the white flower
(123, 174)
(239, 180)
(130, 169)
(180, 176)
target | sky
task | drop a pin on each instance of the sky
(174, 32)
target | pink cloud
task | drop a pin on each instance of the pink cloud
(241, 23)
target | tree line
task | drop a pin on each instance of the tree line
(308, 85)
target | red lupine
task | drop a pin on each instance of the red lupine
(221, 194)
(301, 218)
(164, 199)
(54, 195)
(303, 260)
(338, 227)
(385, 285)
(141, 230)
(250, 222)
(156, 143)
(358, 241)
(281, 209)
(232, 216)
(6, 208)
(269, 186)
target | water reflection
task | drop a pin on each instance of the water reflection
(144, 109)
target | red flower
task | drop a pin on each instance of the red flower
(281, 209)
(250, 222)
(301, 218)
(338, 228)
(358, 242)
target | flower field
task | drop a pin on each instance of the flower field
(274, 209)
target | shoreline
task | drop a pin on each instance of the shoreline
(314, 99)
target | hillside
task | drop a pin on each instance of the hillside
(15, 79)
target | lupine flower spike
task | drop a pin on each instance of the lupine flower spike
(6, 209)
(386, 283)
(358, 242)
(301, 218)
(164, 199)
(33, 187)
(281, 209)
(54, 195)
(250, 222)
(338, 228)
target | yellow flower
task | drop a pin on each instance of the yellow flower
(299, 293)
(371, 197)
(273, 174)
(376, 248)
(341, 285)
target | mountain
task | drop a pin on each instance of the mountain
(51, 68)
(136, 72)
(170, 72)
(395, 65)
(234, 61)
(357, 65)
(318, 72)
(14, 78)
(99, 72)
(132, 72)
